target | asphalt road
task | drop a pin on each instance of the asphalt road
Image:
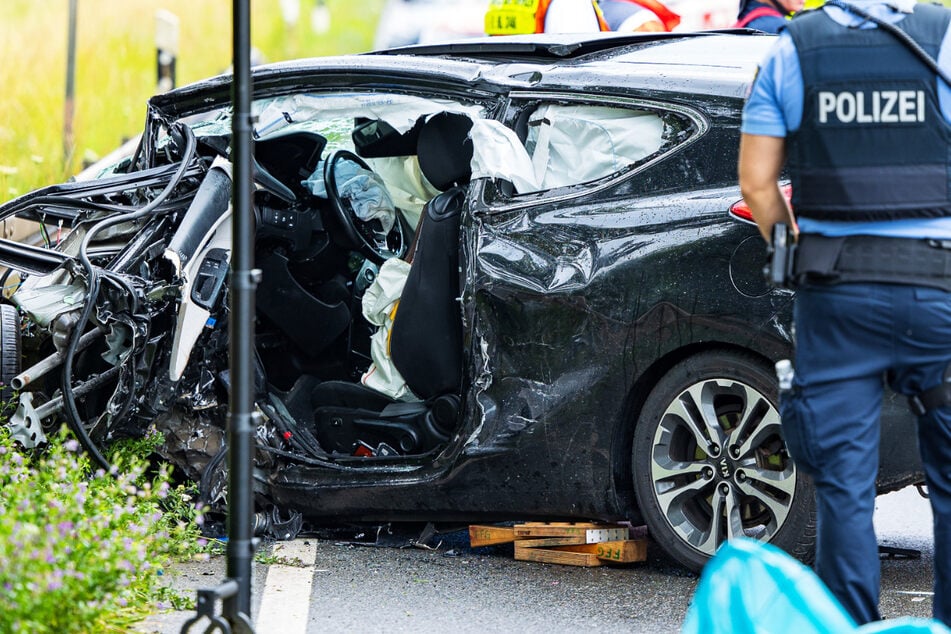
(456, 588)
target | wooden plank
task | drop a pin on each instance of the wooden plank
(547, 542)
(490, 535)
(622, 552)
(550, 556)
(554, 529)
(588, 531)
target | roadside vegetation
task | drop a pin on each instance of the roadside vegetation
(82, 550)
(116, 69)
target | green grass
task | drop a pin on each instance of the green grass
(75, 537)
(115, 72)
(115, 69)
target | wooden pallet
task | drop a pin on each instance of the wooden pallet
(569, 543)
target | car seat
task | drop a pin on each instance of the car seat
(426, 338)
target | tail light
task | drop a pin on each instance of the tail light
(741, 211)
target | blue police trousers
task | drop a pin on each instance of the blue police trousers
(849, 337)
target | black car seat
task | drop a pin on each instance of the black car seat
(426, 337)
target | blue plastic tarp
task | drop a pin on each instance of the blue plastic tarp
(754, 588)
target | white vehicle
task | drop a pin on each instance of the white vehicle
(700, 15)
(405, 22)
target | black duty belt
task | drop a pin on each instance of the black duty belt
(824, 260)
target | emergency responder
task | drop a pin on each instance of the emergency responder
(862, 124)
(519, 17)
(638, 15)
(766, 15)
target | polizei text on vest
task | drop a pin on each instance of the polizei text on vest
(876, 106)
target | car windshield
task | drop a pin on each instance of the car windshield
(329, 114)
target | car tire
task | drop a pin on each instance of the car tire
(708, 437)
(9, 352)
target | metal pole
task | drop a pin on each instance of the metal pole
(166, 49)
(69, 105)
(243, 283)
(235, 592)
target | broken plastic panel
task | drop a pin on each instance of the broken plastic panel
(46, 298)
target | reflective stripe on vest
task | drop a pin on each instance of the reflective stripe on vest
(755, 14)
(667, 17)
(602, 23)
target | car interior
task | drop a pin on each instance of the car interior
(347, 182)
(320, 253)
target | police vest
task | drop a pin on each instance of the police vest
(521, 17)
(873, 144)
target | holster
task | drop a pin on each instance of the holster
(938, 396)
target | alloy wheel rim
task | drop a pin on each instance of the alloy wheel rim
(719, 467)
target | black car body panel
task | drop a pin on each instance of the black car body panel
(578, 301)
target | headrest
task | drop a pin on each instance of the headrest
(444, 150)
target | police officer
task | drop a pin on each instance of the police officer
(521, 17)
(766, 15)
(862, 124)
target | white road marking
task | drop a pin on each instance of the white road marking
(914, 592)
(285, 600)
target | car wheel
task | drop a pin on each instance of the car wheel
(710, 462)
(9, 351)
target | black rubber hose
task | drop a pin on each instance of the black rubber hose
(299, 437)
(204, 482)
(73, 418)
(305, 459)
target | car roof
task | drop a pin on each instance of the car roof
(571, 45)
(709, 62)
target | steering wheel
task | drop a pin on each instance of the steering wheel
(367, 236)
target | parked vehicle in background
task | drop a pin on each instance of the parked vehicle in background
(696, 15)
(508, 279)
(405, 22)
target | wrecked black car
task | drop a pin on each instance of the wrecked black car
(501, 280)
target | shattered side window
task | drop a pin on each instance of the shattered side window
(571, 144)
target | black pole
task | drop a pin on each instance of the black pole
(235, 592)
(243, 283)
